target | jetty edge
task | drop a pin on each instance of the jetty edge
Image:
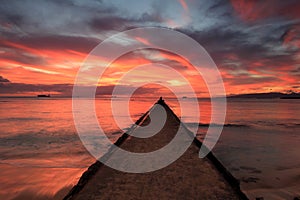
(232, 184)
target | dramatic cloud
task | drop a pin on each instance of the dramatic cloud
(253, 10)
(291, 37)
(255, 44)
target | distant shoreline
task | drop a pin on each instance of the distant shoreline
(271, 95)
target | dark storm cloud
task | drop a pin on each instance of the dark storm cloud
(109, 23)
(248, 48)
(253, 10)
(64, 25)
(245, 44)
(69, 17)
(241, 36)
(60, 21)
(121, 23)
(51, 16)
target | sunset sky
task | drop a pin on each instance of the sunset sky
(255, 44)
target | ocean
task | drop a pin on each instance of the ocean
(42, 156)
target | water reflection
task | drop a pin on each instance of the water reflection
(42, 156)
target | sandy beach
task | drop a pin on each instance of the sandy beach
(189, 177)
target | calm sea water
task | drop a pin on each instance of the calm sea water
(42, 156)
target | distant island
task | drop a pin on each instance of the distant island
(270, 95)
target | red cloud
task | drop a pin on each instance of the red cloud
(291, 37)
(253, 10)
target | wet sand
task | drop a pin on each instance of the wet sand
(189, 177)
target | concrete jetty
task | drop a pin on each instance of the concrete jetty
(189, 177)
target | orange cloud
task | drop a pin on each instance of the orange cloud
(60, 67)
(291, 37)
(56, 67)
(252, 10)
